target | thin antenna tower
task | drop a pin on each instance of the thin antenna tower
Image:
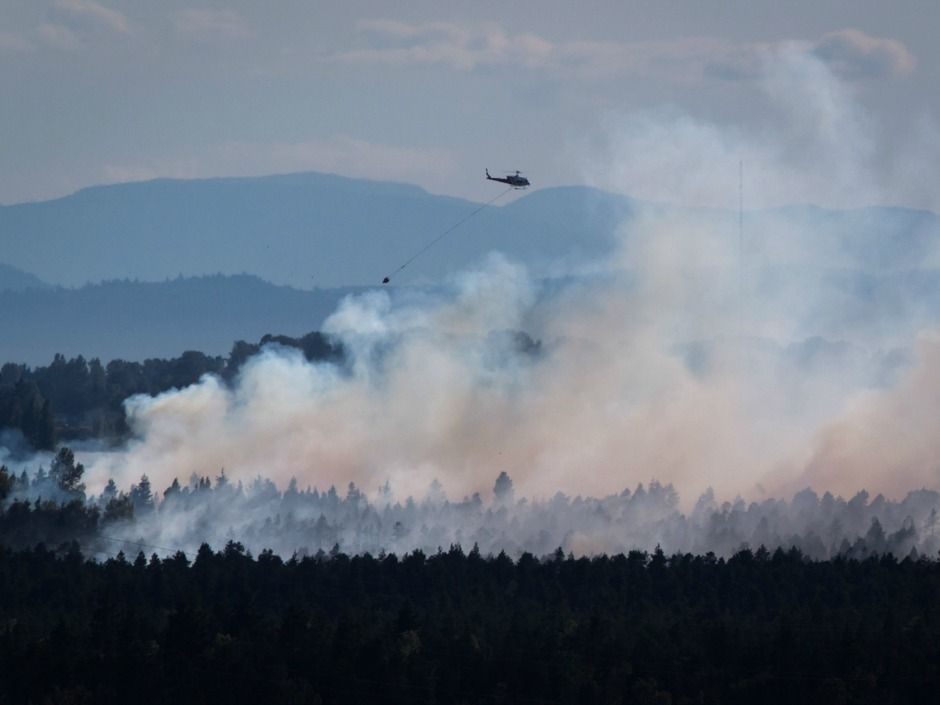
(741, 250)
(741, 205)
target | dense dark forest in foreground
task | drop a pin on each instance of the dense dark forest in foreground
(352, 595)
(455, 627)
(87, 617)
(72, 399)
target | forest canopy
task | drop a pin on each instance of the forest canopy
(459, 627)
(72, 399)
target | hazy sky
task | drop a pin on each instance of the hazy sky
(432, 92)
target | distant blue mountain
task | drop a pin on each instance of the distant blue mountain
(305, 230)
(868, 268)
(137, 320)
(13, 279)
(134, 320)
(311, 229)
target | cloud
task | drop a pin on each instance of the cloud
(445, 44)
(854, 54)
(10, 42)
(58, 36)
(208, 24)
(849, 52)
(94, 13)
(480, 46)
(72, 24)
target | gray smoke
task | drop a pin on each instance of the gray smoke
(800, 356)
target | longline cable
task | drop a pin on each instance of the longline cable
(449, 230)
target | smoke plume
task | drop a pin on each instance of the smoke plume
(801, 355)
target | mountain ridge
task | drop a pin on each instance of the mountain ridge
(297, 229)
(14, 279)
(138, 320)
(313, 229)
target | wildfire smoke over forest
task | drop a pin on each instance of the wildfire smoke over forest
(754, 361)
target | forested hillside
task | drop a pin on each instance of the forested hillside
(80, 398)
(13, 279)
(135, 321)
(459, 627)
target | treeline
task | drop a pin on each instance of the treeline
(339, 613)
(49, 505)
(76, 398)
(458, 627)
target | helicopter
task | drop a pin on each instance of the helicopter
(516, 180)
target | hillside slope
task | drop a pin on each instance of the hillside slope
(302, 229)
(134, 320)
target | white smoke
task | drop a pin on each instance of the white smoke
(819, 145)
(689, 358)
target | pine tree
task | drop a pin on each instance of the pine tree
(44, 432)
(502, 490)
(142, 496)
(7, 480)
(109, 492)
(67, 475)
